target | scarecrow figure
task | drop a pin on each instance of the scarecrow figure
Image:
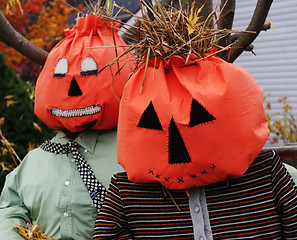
(62, 184)
(190, 133)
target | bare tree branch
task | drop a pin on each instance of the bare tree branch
(256, 25)
(12, 38)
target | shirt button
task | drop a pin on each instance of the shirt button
(86, 150)
(67, 183)
(66, 214)
(72, 160)
(197, 209)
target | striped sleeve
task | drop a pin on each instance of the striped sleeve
(261, 204)
(111, 222)
(285, 194)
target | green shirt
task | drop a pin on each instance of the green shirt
(293, 172)
(46, 188)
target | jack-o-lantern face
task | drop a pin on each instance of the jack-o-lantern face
(88, 68)
(191, 126)
(72, 92)
(177, 150)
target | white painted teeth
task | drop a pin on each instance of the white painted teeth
(78, 112)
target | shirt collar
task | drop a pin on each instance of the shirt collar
(87, 139)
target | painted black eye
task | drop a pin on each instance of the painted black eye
(149, 119)
(199, 114)
(61, 68)
(88, 66)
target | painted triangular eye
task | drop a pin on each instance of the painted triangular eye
(149, 119)
(199, 114)
(88, 66)
(61, 68)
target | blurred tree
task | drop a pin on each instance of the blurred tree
(21, 127)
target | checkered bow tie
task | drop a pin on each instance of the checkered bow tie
(96, 189)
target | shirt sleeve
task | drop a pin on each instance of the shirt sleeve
(12, 209)
(111, 222)
(285, 194)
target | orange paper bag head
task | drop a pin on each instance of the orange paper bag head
(191, 125)
(71, 92)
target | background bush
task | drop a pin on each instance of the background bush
(21, 127)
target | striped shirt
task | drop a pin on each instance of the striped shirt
(261, 204)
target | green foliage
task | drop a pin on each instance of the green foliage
(21, 128)
(282, 123)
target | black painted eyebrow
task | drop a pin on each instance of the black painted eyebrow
(88, 72)
(59, 74)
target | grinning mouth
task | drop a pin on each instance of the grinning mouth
(78, 112)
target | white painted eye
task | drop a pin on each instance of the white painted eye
(61, 68)
(88, 66)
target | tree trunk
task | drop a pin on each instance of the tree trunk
(227, 12)
(187, 4)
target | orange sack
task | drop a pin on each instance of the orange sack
(71, 92)
(192, 125)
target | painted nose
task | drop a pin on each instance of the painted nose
(74, 89)
(177, 149)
